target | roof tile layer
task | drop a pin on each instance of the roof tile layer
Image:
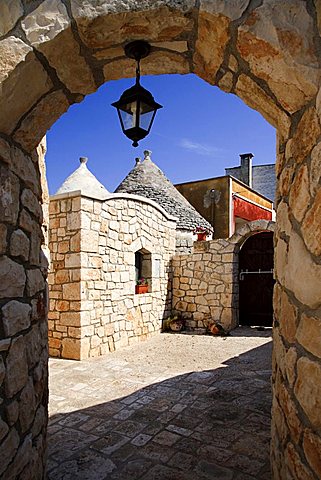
(147, 180)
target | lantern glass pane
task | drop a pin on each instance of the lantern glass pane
(146, 116)
(128, 115)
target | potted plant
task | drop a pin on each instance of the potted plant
(201, 233)
(141, 286)
(174, 323)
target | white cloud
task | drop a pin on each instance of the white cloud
(200, 148)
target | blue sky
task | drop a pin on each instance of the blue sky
(200, 131)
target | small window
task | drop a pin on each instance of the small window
(143, 271)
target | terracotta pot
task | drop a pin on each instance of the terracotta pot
(141, 289)
(176, 326)
(214, 330)
(201, 237)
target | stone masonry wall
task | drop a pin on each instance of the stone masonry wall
(206, 282)
(23, 322)
(93, 305)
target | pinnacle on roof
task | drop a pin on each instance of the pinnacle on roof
(147, 180)
(82, 179)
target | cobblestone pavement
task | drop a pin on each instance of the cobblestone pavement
(176, 407)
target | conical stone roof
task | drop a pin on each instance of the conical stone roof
(147, 180)
(84, 181)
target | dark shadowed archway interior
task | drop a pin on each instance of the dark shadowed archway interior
(256, 280)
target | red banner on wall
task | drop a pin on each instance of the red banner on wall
(249, 211)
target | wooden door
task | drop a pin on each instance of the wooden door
(256, 280)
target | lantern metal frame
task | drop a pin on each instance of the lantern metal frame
(136, 94)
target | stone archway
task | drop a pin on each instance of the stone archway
(256, 281)
(54, 52)
(238, 240)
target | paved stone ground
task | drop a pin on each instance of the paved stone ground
(176, 407)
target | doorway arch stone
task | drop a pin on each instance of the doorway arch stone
(54, 52)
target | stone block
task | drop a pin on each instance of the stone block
(76, 332)
(315, 166)
(27, 406)
(27, 83)
(35, 282)
(3, 238)
(290, 364)
(12, 278)
(71, 348)
(19, 245)
(301, 277)
(311, 228)
(8, 449)
(299, 193)
(9, 196)
(62, 306)
(31, 203)
(54, 343)
(305, 136)
(12, 412)
(294, 463)
(312, 451)
(26, 222)
(63, 246)
(308, 389)
(89, 241)
(15, 317)
(17, 367)
(61, 276)
(149, 21)
(287, 314)
(71, 291)
(2, 371)
(10, 12)
(285, 48)
(309, 334)
(73, 260)
(70, 319)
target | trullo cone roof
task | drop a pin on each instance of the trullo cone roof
(82, 179)
(147, 180)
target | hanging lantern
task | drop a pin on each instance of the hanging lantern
(136, 107)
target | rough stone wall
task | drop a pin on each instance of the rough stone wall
(296, 440)
(266, 52)
(23, 322)
(206, 282)
(64, 316)
(93, 306)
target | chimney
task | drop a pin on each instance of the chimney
(137, 160)
(246, 168)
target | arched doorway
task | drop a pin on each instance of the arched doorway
(256, 280)
(264, 52)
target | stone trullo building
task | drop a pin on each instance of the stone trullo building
(147, 180)
(101, 244)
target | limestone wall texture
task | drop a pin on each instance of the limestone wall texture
(23, 320)
(93, 306)
(206, 282)
(54, 52)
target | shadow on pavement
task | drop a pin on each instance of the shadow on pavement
(204, 425)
